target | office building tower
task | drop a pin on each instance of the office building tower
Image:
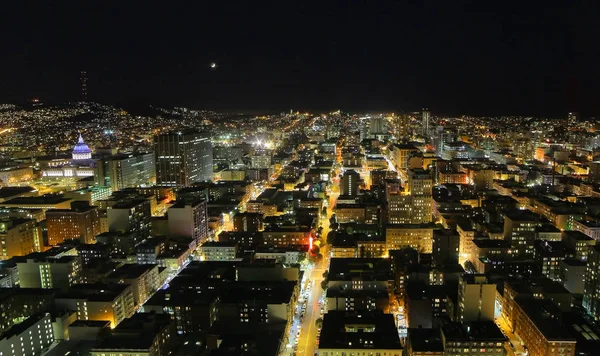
(189, 219)
(350, 182)
(425, 116)
(476, 298)
(81, 222)
(419, 187)
(183, 158)
(126, 171)
(19, 237)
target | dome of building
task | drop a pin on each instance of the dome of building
(81, 150)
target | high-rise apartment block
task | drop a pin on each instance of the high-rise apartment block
(183, 158)
(476, 298)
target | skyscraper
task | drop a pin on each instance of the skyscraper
(183, 158)
(425, 122)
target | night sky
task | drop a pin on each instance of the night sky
(474, 57)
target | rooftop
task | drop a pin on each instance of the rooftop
(546, 318)
(369, 330)
(425, 340)
(474, 331)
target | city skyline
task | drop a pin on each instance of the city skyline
(458, 58)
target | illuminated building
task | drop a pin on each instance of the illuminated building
(218, 251)
(520, 230)
(82, 165)
(144, 280)
(81, 222)
(476, 298)
(15, 175)
(20, 237)
(89, 195)
(417, 236)
(400, 155)
(475, 338)
(183, 158)
(99, 301)
(591, 293)
(32, 336)
(39, 271)
(81, 151)
(261, 161)
(189, 219)
(126, 171)
(350, 183)
(359, 333)
(538, 324)
(286, 236)
(249, 222)
(130, 216)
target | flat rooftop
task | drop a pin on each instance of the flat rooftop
(369, 330)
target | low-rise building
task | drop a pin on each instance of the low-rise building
(99, 301)
(218, 251)
(346, 333)
(474, 338)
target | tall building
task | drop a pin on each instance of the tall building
(126, 171)
(591, 290)
(377, 126)
(189, 219)
(350, 182)
(19, 237)
(81, 222)
(402, 123)
(476, 298)
(183, 158)
(425, 116)
(520, 230)
(419, 187)
(130, 216)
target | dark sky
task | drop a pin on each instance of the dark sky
(477, 57)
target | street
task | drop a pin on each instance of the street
(307, 343)
(514, 347)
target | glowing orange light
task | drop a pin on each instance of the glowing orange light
(310, 243)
